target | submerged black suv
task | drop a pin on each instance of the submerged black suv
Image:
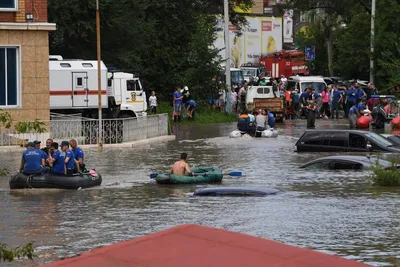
(344, 141)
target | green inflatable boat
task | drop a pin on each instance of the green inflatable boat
(201, 175)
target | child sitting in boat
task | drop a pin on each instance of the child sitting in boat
(181, 166)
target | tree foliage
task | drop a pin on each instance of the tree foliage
(7, 254)
(5, 119)
(167, 43)
(351, 44)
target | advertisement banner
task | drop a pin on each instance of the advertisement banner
(261, 35)
(271, 35)
(287, 30)
(252, 36)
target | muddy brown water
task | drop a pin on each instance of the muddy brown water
(335, 212)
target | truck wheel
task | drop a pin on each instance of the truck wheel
(125, 115)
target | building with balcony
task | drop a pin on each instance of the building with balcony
(24, 59)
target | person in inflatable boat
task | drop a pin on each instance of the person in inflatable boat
(181, 166)
(78, 154)
(270, 118)
(62, 162)
(261, 120)
(32, 161)
(245, 124)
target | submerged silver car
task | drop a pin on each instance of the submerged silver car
(346, 163)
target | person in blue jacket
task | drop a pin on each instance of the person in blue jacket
(360, 93)
(56, 160)
(362, 106)
(69, 157)
(62, 162)
(351, 96)
(270, 118)
(190, 107)
(353, 116)
(78, 154)
(32, 161)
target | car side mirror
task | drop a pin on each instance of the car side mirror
(369, 146)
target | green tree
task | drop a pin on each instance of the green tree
(7, 254)
(167, 43)
(351, 44)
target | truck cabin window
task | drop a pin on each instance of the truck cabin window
(132, 85)
(317, 86)
(109, 82)
(263, 91)
(249, 72)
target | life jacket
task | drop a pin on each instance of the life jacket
(287, 95)
(243, 124)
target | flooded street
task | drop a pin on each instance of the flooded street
(336, 212)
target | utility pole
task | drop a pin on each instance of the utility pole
(227, 53)
(100, 135)
(371, 65)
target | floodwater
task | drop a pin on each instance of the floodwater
(335, 212)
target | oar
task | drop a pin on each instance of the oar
(153, 175)
(236, 174)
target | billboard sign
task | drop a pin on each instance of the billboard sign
(261, 35)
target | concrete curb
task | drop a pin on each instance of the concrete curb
(133, 143)
(106, 146)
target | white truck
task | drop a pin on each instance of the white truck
(74, 89)
(261, 97)
(253, 70)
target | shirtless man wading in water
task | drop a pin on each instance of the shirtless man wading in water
(181, 166)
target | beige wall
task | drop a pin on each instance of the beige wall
(34, 55)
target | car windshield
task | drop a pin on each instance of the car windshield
(317, 86)
(236, 76)
(249, 72)
(379, 139)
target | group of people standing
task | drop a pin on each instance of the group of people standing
(182, 100)
(312, 104)
(50, 159)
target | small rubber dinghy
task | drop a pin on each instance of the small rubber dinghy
(264, 134)
(49, 180)
(201, 175)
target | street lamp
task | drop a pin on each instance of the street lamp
(100, 135)
(371, 65)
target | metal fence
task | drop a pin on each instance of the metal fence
(86, 131)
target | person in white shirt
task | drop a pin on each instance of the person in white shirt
(153, 102)
(221, 100)
(261, 120)
(233, 100)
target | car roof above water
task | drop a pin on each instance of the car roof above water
(236, 189)
(340, 130)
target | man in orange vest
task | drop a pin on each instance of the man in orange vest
(288, 99)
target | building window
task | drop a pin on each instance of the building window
(9, 73)
(8, 4)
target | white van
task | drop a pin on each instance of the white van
(302, 82)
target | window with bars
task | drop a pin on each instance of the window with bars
(9, 73)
